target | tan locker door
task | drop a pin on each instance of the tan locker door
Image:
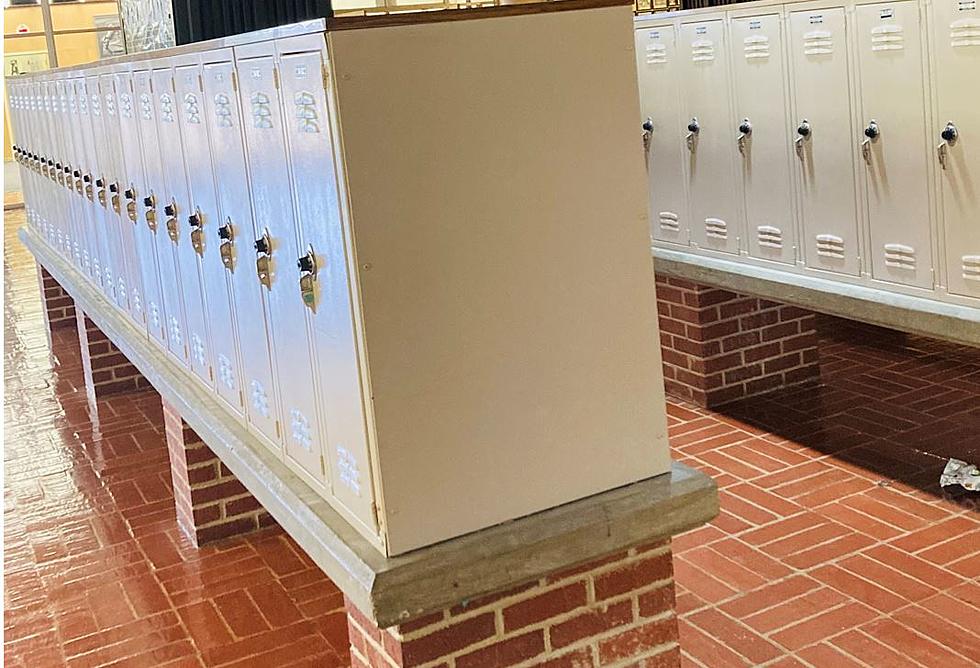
(323, 230)
(703, 65)
(956, 40)
(895, 161)
(273, 207)
(758, 59)
(657, 65)
(825, 159)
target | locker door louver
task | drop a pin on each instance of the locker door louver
(715, 228)
(964, 33)
(769, 236)
(900, 256)
(670, 221)
(756, 46)
(656, 54)
(887, 38)
(971, 267)
(818, 43)
(702, 50)
(830, 245)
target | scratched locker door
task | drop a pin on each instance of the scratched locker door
(202, 234)
(224, 120)
(168, 315)
(175, 227)
(325, 247)
(275, 222)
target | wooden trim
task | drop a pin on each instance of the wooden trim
(520, 8)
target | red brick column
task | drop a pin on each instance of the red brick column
(720, 346)
(211, 503)
(616, 609)
(58, 306)
(106, 369)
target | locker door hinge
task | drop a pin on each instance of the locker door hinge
(241, 398)
(173, 85)
(376, 514)
(275, 76)
(234, 81)
(278, 435)
(323, 466)
(200, 82)
(326, 76)
(210, 373)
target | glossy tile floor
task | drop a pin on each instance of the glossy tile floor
(835, 546)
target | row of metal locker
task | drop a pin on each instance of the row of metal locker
(178, 186)
(835, 138)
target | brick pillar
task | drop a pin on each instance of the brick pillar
(211, 503)
(106, 368)
(58, 306)
(720, 346)
(617, 609)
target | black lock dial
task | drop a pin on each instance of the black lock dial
(693, 126)
(113, 187)
(170, 210)
(803, 130)
(648, 125)
(87, 178)
(76, 173)
(261, 245)
(194, 220)
(130, 193)
(948, 133)
(148, 201)
(745, 128)
(100, 183)
(305, 263)
(224, 232)
(872, 131)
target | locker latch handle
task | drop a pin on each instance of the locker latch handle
(226, 248)
(949, 135)
(307, 277)
(647, 133)
(149, 202)
(871, 133)
(803, 132)
(173, 227)
(196, 221)
(693, 128)
(263, 263)
(744, 130)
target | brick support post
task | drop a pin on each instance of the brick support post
(211, 503)
(614, 611)
(57, 305)
(720, 346)
(106, 369)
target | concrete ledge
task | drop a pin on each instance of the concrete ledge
(917, 315)
(398, 589)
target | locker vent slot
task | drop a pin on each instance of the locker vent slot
(669, 221)
(166, 107)
(261, 111)
(96, 106)
(125, 105)
(83, 104)
(347, 470)
(971, 267)
(260, 400)
(146, 107)
(756, 46)
(887, 38)
(656, 53)
(191, 108)
(702, 50)
(197, 349)
(818, 43)
(829, 245)
(176, 337)
(769, 236)
(899, 256)
(299, 430)
(137, 302)
(222, 110)
(965, 32)
(110, 105)
(121, 283)
(306, 112)
(225, 373)
(715, 228)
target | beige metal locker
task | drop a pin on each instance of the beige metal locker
(762, 134)
(703, 66)
(824, 142)
(660, 105)
(893, 141)
(276, 252)
(236, 234)
(956, 138)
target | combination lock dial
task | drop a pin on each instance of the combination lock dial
(262, 245)
(804, 129)
(194, 220)
(113, 187)
(129, 193)
(148, 201)
(225, 232)
(170, 210)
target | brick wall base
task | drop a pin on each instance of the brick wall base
(211, 503)
(58, 306)
(106, 368)
(613, 611)
(719, 346)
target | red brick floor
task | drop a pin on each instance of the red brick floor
(834, 547)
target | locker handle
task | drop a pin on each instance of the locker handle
(263, 263)
(949, 135)
(744, 130)
(803, 130)
(647, 133)
(225, 249)
(307, 279)
(693, 128)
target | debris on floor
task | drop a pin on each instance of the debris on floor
(958, 472)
